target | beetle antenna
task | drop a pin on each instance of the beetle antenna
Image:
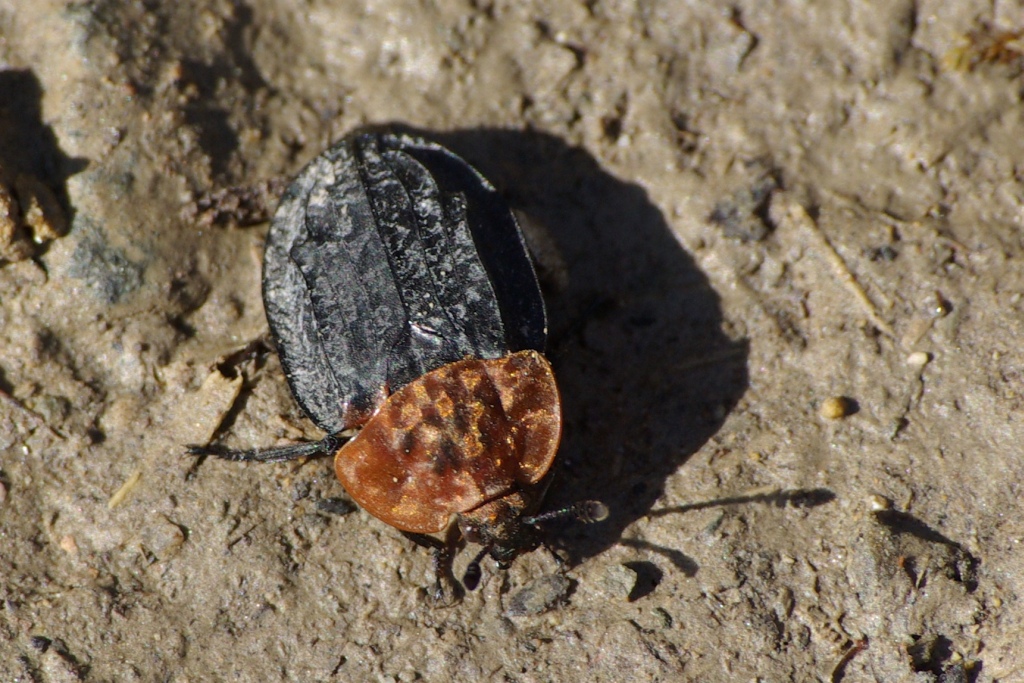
(325, 446)
(586, 511)
(471, 579)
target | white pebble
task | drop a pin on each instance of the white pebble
(918, 359)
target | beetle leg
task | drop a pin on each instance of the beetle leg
(326, 446)
(446, 589)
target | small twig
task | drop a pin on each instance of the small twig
(126, 488)
(798, 215)
(840, 670)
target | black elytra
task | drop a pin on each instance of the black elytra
(390, 256)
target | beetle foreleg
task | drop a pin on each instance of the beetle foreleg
(446, 589)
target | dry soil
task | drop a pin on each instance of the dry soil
(752, 208)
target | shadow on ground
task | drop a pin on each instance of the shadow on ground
(646, 374)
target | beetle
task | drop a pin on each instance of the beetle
(403, 303)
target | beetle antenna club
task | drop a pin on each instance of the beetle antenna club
(471, 579)
(586, 511)
(326, 446)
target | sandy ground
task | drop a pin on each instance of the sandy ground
(758, 207)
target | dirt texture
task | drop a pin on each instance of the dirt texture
(781, 244)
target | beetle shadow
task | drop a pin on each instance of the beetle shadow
(646, 374)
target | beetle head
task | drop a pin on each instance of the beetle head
(498, 526)
(504, 531)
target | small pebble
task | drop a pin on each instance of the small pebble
(619, 581)
(836, 407)
(40, 643)
(877, 502)
(162, 538)
(937, 306)
(918, 359)
(956, 673)
(742, 216)
(539, 596)
(335, 506)
(68, 544)
(883, 253)
(41, 212)
(14, 245)
(663, 616)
